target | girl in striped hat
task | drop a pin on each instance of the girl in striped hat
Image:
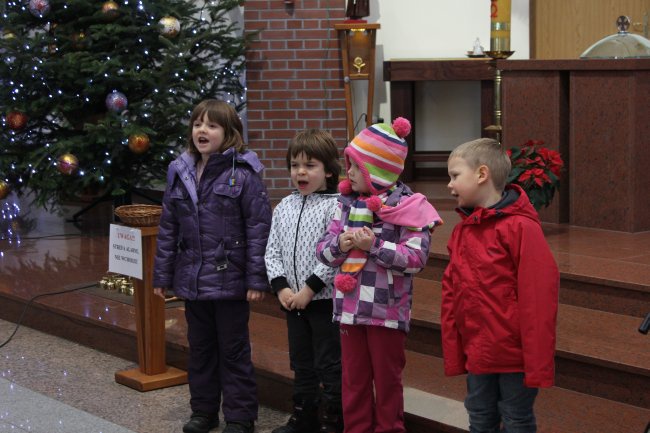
(379, 238)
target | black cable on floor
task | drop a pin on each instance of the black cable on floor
(62, 236)
(42, 295)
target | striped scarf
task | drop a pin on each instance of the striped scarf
(360, 216)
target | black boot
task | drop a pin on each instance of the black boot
(239, 427)
(332, 420)
(201, 423)
(303, 420)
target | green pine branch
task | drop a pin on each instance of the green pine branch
(58, 70)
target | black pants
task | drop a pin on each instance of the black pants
(220, 359)
(315, 353)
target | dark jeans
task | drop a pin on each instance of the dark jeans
(315, 354)
(220, 359)
(493, 399)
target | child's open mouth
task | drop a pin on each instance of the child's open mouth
(302, 184)
(203, 140)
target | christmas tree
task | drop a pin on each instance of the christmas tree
(96, 95)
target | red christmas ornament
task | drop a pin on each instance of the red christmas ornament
(39, 8)
(16, 120)
(67, 164)
(139, 143)
(116, 101)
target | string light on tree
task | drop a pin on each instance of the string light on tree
(71, 90)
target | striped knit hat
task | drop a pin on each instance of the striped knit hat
(380, 151)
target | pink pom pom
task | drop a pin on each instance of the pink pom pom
(373, 203)
(345, 187)
(345, 282)
(402, 127)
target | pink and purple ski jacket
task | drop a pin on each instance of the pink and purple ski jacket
(384, 290)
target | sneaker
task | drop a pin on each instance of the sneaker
(239, 427)
(201, 423)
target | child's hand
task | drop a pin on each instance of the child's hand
(346, 241)
(300, 300)
(159, 292)
(284, 296)
(363, 239)
(254, 295)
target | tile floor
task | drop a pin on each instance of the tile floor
(51, 385)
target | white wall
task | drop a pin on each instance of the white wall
(428, 29)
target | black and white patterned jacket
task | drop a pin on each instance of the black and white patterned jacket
(298, 223)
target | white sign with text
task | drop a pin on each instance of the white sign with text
(125, 251)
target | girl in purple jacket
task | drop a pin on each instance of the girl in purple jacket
(378, 239)
(210, 252)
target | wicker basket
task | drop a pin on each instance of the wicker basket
(139, 215)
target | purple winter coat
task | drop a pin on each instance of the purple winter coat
(212, 238)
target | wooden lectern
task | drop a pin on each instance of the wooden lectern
(357, 41)
(150, 327)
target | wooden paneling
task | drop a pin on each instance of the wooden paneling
(564, 29)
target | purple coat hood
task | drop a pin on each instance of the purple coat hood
(213, 235)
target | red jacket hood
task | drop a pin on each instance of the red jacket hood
(509, 205)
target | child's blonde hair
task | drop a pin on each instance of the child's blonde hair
(488, 152)
(225, 116)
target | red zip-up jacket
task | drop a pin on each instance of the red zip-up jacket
(500, 294)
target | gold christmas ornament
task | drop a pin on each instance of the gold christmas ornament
(170, 26)
(110, 9)
(8, 34)
(5, 189)
(79, 41)
(139, 143)
(16, 120)
(67, 164)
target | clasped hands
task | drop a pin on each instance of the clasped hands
(362, 238)
(298, 301)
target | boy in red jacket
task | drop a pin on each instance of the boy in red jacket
(499, 293)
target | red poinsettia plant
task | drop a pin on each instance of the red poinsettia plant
(537, 170)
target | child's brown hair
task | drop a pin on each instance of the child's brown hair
(320, 145)
(226, 116)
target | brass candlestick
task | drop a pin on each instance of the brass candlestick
(499, 50)
(496, 128)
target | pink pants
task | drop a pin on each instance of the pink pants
(372, 355)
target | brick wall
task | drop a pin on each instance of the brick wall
(294, 78)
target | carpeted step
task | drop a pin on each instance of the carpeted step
(433, 402)
(598, 353)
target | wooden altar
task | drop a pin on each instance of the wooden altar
(595, 112)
